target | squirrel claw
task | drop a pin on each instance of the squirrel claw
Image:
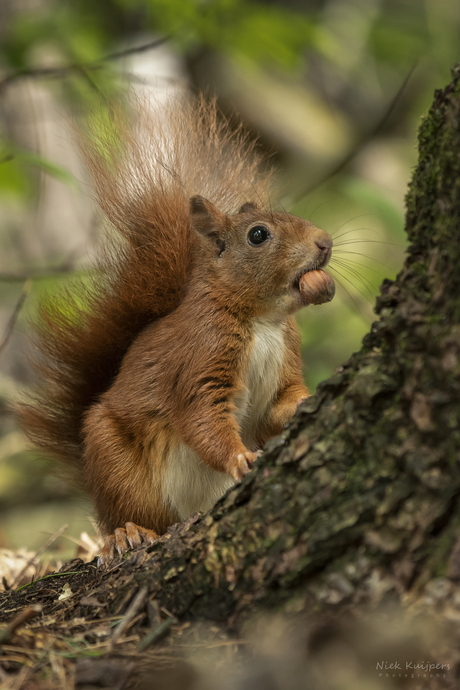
(244, 463)
(131, 536)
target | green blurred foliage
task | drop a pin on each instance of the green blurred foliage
(276, 35)
(14, 180)
(270, 34)
(17, 160)
(62, 28)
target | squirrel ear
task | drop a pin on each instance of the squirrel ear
(198, 204)
(249, 206)
(205, 218)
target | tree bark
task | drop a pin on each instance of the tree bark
(357, 501)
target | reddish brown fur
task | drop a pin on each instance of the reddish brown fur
(144, 190)
(164, 363)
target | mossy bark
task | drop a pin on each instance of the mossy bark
(358, 500)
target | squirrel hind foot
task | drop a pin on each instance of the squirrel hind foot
(131, 536)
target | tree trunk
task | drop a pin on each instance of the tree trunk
(357, 502)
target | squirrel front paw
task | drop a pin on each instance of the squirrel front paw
(243, 464)
(128, 537)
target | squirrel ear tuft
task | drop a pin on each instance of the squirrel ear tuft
(205, 218)
(198, 204)
(249, 206)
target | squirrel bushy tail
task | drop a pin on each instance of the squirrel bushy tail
(144, 171)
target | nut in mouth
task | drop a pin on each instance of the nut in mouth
(316, 287)
(319, 264)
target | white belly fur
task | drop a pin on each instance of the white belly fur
(189, 484)
(263, 376)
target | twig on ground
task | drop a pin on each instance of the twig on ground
(39, 552)
(128, 617)
(18, 621)
(156, 634)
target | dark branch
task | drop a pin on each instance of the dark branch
(59, 72)
(15, 315)
(365, 138)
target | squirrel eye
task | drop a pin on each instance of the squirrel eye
(258, 235)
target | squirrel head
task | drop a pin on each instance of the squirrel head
(257, 256)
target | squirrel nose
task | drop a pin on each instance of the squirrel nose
(324, 244)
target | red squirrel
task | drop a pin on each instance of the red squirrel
(163, 378)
